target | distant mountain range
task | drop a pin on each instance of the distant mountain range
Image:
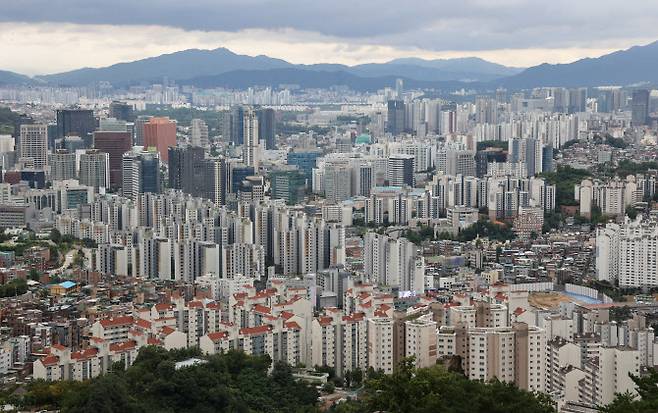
(624, 67)
(205, 64)
(222, 67)
(11, 78)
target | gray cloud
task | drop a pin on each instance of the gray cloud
(426, 24)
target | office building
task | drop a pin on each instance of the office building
(62, 165)
(95, 169)
(75, 122)
(187, 169)
(199, 133)
(236, 174)
(640, 107)
(401, 170)
(236, 125)
(396, 115)
(251, 147)
(123, 111)
(114, 144)
(337, 183)
(139, 129)
(304, 160)
(266, 124)
(160, 133)
(112, 125)
(288, 185)
(141, 173)
(34, 145)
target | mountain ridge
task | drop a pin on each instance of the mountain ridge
(631, 66)
(192, 63)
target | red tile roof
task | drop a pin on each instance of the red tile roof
(143, 323)
(84, 354)
(262, 309)
(287, 314)
(163, 307)
(292, 325)
(117, 321)
(353, 317)
(50, 360)
(248, 331)
(220, 335)
(126, 345)
(325, 321)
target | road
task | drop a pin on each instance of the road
(68, 260)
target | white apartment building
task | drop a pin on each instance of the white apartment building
(628, 253)
(421, 341)
(512, 354)
(608, 374)
(380, 344)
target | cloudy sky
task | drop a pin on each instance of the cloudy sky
(47, 36)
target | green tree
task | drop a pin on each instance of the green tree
(328, 387)
(435, 389)
(631, 212)
(55, 236)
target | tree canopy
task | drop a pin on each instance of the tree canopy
(435, 389)
(232, 382)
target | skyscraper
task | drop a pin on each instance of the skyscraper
(251, 146)
(139, 129)
(640, 107)
(115, 144)
(62, 165)
(395, 122)
(122, 110)
(401, 170)
(160, 133)
(75, 122)
(95, 169)
(141, 173)
(236, 173)
(187, 169)
(266, 127)
(215, 180)
(236, 125)
(34, 144)
(199, 133)
(304, 160)
(288, 185)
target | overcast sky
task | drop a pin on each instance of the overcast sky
(46, 36)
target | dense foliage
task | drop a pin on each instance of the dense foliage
(232, 382)
(565, 178)
(7, 120)
(435, 389)
(13, 288)
(485, 228)
(627, 167)
(492, 144)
